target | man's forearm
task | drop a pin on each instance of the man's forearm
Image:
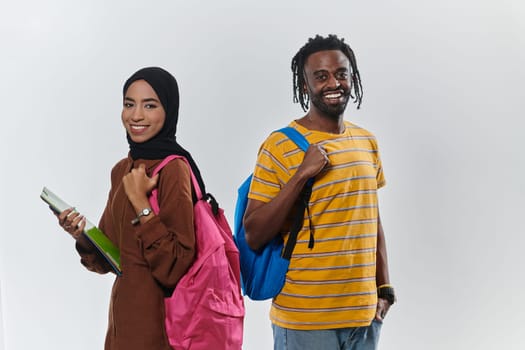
(382, 276)
(263, 221)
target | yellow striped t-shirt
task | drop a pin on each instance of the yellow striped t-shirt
(333, 284)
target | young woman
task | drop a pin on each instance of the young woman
(155, 251)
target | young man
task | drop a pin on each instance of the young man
(337, 289)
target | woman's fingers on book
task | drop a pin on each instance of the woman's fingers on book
(78, 228)
(72, 222)
(63, 216)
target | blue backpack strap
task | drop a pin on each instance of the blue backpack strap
(299, 139)
(294, 135)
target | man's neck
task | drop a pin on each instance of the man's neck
(320, 122)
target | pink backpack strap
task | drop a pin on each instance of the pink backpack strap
(153, 199)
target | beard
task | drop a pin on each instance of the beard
(332, 111)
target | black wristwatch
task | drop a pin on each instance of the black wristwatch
(387, 293)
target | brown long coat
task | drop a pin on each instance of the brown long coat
(154, 256)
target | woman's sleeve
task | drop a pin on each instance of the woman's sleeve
(90, 257)
(168, 239)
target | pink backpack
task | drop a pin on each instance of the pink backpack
(206, 309)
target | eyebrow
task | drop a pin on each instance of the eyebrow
(320, 71)
(341, 69)
(149, 99)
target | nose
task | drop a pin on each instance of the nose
(333, 82)
(136, 114)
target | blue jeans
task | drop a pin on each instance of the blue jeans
(357, 338)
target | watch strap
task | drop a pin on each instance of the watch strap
(143, 212)
(387, 292)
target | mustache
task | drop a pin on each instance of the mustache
(345, 92)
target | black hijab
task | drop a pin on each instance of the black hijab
(164, 143)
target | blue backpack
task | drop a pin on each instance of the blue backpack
(263, 272)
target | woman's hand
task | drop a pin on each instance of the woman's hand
(137, 184)
(72, 222)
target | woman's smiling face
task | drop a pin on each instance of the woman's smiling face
(142, 113)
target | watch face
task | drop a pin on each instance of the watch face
(146, 211)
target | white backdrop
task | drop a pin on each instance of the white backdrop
(443, 92)
(1, 321)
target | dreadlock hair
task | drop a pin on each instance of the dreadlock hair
(319, 43)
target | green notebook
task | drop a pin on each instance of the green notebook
(107, 249)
